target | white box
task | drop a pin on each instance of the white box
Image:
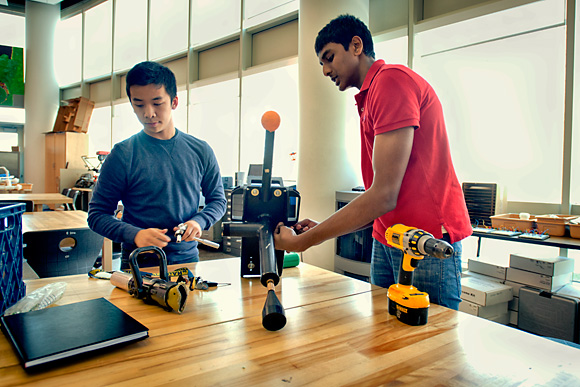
(483, 311)
(484, 292)
(513, 317)
(516, 286)
(493, 267)
(469, 273)
(550, 266)
(539, 281)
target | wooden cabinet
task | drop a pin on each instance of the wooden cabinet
(63, 150)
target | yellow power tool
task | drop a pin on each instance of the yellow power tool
(408, 303)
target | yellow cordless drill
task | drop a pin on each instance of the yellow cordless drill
(408, 303)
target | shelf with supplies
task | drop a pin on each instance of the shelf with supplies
(562, 242)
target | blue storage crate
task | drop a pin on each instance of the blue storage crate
(12, 288)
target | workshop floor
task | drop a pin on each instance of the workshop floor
(204, 255)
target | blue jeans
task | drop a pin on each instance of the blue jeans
(440, 278)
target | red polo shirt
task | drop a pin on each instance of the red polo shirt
(394, 97)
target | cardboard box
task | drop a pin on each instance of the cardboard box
(516, 286)
(469, 273)
(539, 281)
(512, 221)
(574, 230)
(552, 224)
(550, 266)
(75, 116)
(483, 292)
(513, 317)
(493, 267)
(483, 311)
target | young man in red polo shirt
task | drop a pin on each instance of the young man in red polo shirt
(406, 164)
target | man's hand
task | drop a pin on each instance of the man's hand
(152, 237)
(289, 238)
(304, 225)
(193, 231)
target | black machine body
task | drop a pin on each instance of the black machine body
(259, 216)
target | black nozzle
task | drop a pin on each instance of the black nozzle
(273, 315)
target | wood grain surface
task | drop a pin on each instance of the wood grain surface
(338, 333)
(38, 199)
(53, 220)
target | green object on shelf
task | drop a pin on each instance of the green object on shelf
(291, 260)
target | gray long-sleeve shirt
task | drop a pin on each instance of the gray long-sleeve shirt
(159, 183)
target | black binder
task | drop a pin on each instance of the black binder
(51, 334)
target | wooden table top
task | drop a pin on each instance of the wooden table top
(39, 198)
(53, 220)
(338, 333)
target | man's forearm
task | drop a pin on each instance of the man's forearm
(358, 214)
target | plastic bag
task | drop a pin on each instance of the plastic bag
(38, 299)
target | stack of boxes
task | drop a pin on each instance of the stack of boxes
(75, 116)
(540, 309)
(483, 291)
(542, 299)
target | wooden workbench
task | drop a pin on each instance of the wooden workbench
(338, 333)
(38, 199)
(53, 220)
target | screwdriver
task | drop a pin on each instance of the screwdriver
(181, 229)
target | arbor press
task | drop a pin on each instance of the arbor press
(264, 205)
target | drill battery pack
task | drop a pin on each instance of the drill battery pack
(409, 304)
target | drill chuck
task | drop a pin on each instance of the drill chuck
(435, 248)
(417, 243)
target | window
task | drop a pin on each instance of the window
(98, 41)
(7, 141)
(125, 122)
(12, 115)
(67, 51)
(211, 20)
(260, 11)
(214, 117)
(180, 113)
(168, 27)
(393, 51)
(12, 30)
(503, 97)
(271, 90)
(100, 130)
(130, 33)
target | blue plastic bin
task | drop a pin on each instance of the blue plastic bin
(12, 288)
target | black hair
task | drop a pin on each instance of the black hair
(341, 30)
(147, 73)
